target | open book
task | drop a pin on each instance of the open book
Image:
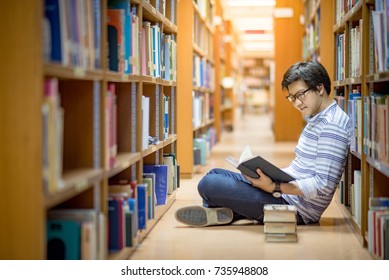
(248, 165)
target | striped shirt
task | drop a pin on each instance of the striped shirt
(321, 155)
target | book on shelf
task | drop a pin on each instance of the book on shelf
(149, 180)
(169, 162)
(145, 121)
(125, 8)
(121, 189)
(52, 136)
(91, 228)
(63, 239)
(133, 207)
(378, 218)
(378, 202)
(135, 42)
(248, 165)
(115, 22)
(161, 181)
(173, 158)
(142, 206)
(116, 223)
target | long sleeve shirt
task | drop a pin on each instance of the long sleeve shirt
(321, 155)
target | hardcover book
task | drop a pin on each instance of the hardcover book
(280, 227)
(279, 213)
(281, 237)
(248, 165)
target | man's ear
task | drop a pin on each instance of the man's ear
(320, 89)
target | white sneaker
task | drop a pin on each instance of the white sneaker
(198, 216)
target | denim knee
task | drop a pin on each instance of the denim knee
(204, 184)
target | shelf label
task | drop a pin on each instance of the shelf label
(154, 10)
(81, 185)
(79, 72)
(125, 165)
(125, 78)
(376, 76)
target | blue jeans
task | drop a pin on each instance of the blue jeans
(224, 188)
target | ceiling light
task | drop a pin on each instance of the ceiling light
(253, 3)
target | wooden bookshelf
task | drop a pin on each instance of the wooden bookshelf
(196, 83)
(318, 38)
(220, 65)
(288, 123)
(82, 91)
(21, 143)
(228, 102)
(357, 71)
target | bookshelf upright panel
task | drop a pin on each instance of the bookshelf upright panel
(195, 84)
(22, 201)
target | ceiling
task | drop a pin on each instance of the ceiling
(253, 21)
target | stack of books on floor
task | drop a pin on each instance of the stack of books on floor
(280, 224)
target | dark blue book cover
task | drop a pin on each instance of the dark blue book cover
(142, 205)
(115, 206)
(161, 173)
(97, 30)
(52, 13)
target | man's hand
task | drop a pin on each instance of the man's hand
(263, 182)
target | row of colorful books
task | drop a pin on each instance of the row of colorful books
(203, 145)
(74, 234)
(132, 204)
(280, 224)
(82, 233)
(203, 73)
(378, 227)
(72, 33)
(203, 108)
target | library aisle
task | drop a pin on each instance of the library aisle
(332, 239)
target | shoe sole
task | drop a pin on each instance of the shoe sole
(199, 216)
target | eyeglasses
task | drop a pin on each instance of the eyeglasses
(300, 96)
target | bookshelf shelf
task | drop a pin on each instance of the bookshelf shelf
(66, 72)
(121, 78)
(377, 77)
(123, 161)
(73, 183)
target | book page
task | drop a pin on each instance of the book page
(246, 154)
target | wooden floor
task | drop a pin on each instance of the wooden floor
(332, 239)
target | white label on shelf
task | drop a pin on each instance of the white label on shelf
(79, 72)
(125, 165)
(80, 185)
